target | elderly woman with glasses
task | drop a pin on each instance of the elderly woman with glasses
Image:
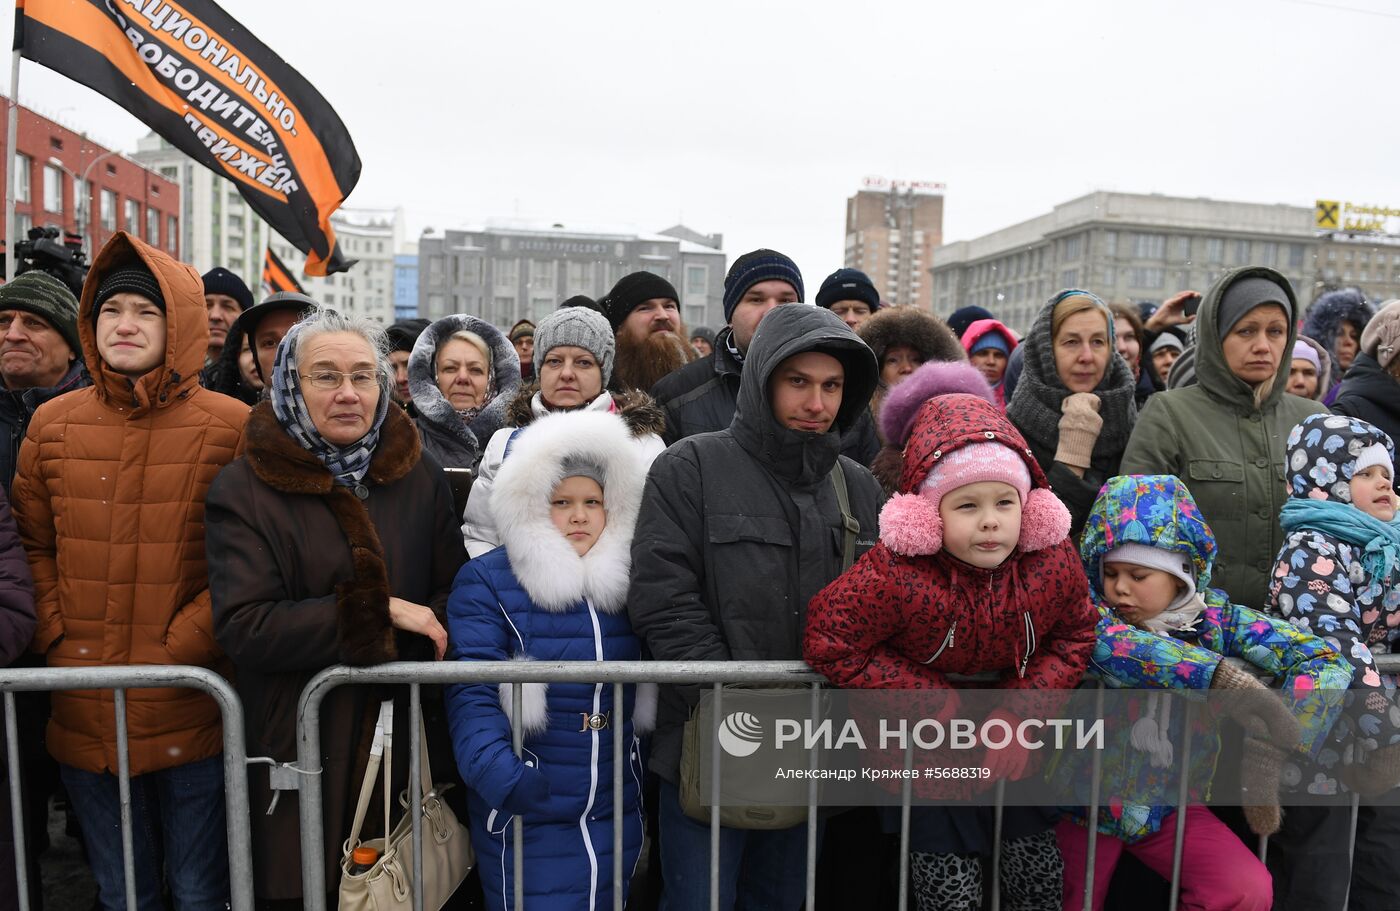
(331, 541)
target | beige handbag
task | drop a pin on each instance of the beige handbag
(447, 849)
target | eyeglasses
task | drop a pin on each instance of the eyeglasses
(361, 380)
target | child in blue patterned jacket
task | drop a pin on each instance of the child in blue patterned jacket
(1338, 576)
(1148, 555)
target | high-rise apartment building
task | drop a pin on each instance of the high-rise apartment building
(892, 228)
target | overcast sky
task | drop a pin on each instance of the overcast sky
(758, 119)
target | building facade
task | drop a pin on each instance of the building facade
(1126, 247)
(511, 269)
(218, 227)
(892, 229)
(372, 237)
(406, 284)
(65, 180)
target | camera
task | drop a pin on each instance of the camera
(51, 250)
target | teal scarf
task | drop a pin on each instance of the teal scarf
(1379, 541)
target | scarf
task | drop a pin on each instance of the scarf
(1035, 404)
(347, 464)
(733, 349)
(1379, 541)
(470, 414)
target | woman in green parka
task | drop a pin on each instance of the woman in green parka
(1225, 436)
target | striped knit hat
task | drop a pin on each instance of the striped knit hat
(752, 268)
(45, 296)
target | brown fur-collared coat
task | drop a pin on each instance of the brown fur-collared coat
(301, 575)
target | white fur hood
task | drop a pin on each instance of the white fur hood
(542, 559)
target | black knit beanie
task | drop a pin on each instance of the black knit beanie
(633, 290)
(133, 279)
(219, 280)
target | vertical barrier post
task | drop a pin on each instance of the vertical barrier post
(415, 788)
(124, 794)
(1095, 782)
(1183, 793)
(714, 800)
(618, 720)
(813, 763)
(517, 739)
(906, 800)
(997, 827)
(1351, 843)
(16, 801)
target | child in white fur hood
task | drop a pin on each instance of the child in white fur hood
(566, 505)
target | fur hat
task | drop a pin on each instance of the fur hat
(903, 401)
(919, 329)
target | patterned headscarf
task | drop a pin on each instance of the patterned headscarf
(347, 464)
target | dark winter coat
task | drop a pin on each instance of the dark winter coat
(1229, 452)
(16, 591)
(451, 440)
(1372, 394)
(301, 571)
(739, 529)
(535, 599)
(1323, 322)
(17, 408)
(700, 398)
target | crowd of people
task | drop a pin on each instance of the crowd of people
(269, 489)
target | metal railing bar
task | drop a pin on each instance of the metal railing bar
(617, 721)
(1183, 794)
(517, 740)
(715, 799)
(124, 795)
(1095, 783)
(16, 801)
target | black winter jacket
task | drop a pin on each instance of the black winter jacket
(740, 528)
(1371, 394)
(17, 407)
(700, 398)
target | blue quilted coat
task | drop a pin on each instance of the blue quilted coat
(535, 599)
(1158, 511)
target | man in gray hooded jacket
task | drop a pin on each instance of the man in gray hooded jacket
(738, 530)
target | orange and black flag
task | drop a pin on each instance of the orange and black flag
(276, 276)
(198, 78)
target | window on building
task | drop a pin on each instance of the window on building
(1110, 243)
(1269, 254)
(1069, 278)
(1215, 250)
(1365, 276)
(23, 163)
(172, 234)
(1347, 257)
(1110, 278)
(507, 272)
(132, 221)
(1149, 246)
(541, 274)
(1072, 248)
(23, 222)
(108, 212)
(152, 226)
(1149, 278)
(1295, 256)
(53, 189)
(540, 307)
(697, 280)
(1242, 252)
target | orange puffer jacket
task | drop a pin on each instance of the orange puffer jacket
(109, 498)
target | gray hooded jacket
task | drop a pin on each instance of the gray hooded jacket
(740, 528)
(451, 440)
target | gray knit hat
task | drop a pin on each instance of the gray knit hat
(577, 466)
(579, 326)
(45, 296)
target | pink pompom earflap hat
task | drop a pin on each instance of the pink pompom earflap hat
(955, 440)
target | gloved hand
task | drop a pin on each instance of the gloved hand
(1079, 430)
(1259, 774)
(1379, 773)
(530, 794)
(1257, 708)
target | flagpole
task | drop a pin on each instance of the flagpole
(11, 138)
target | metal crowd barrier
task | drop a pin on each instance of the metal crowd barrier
(304, 776)
(119, 679)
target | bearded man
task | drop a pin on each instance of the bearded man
(645, 313)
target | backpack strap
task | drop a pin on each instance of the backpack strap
(852, 527)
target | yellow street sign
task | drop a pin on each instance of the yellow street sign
(1325, 214)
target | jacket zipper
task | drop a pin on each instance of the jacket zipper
(1030, 642)
(947, 643)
